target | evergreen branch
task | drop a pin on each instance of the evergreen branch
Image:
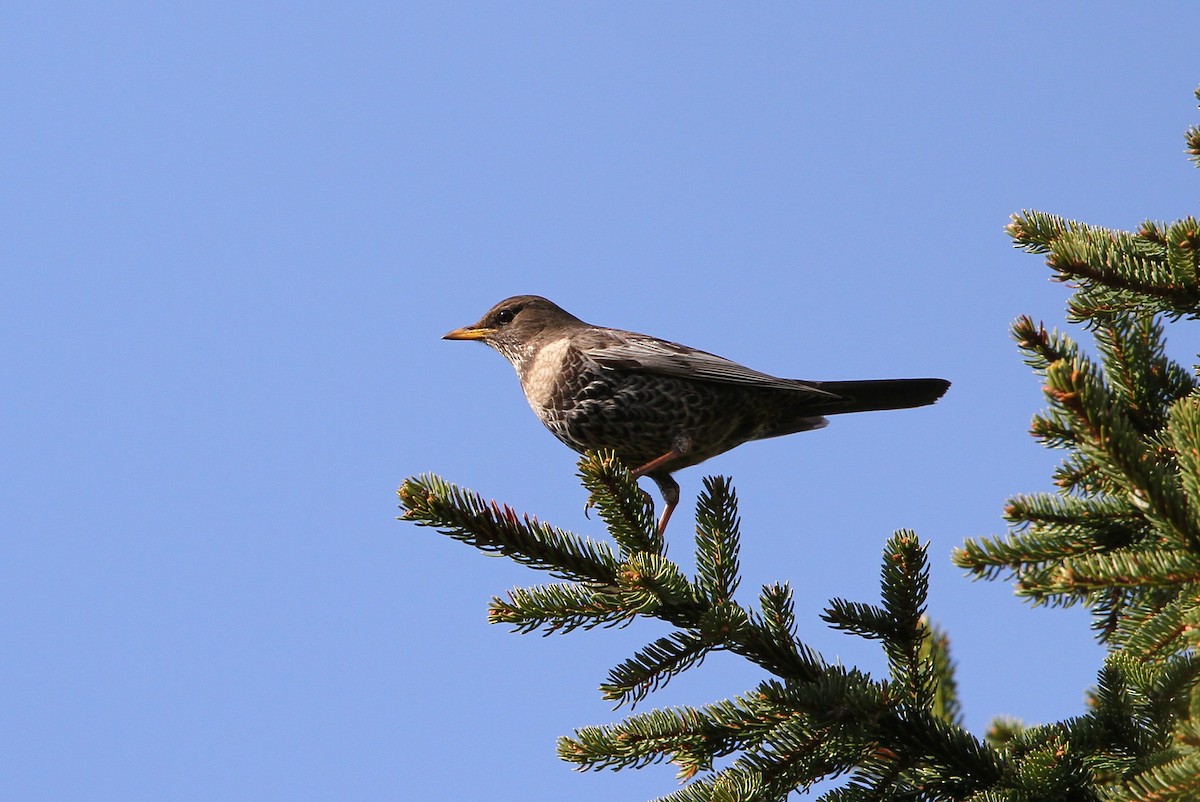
(837, 696)
(653, 585)
(823, 721)
(879, 777)
(1104, 522)
(1176, 781)
(1115, 445)
(992, 557)
(797, 755)
(690, 737)
(1118, 270)
(797, 758)
(656, 664)
(1046, 766)
(559, 608)
(646, 739)
(905, 584)
(1045, 509)
(1116, 723)
(431, 501)
(771, 635)
(790, 659)
(1157, 628)
(864, 620)
(1184, 434)
(626, 510)
(1036, 232)
(718, 540)
(1113, 606)
(653, 666)
(1041, 348)
(935, 652)
(899, 623)
(1090, 573)
(954, 763)
(1153, 232)
(1078, 474)
(1058, 527)
(1137, 367)
(1183, 250)
(645, 584)
(778, 612)
(1002, 731)
(1169, 695)
(727, 786)
(1053, 431)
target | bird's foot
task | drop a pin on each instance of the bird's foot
(591, 502)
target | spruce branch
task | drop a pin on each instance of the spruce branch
(627, 511)
(690, 737)
(1158, 626)
(935, 652)
(1176, 781)
(560, 608)
(905, 583)
(653, 666)
(490, 527)
(1041, 348)
(1183, 250)
(811, 722)
(1116, 271)
(1081, 576)
(857, 618)
(899, 623)
(1049, 529)
(778, 617)
(1136, 366)
(1124, 534)
(718, 539)
(1184, 437)
(1078, 474)
(1118, 449)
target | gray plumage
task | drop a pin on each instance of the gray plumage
(659, 405)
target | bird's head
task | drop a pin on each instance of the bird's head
(517, 326)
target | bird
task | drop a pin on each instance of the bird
(658, 405)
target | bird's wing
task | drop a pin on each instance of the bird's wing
(640, 352)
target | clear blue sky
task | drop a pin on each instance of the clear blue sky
(234, 233)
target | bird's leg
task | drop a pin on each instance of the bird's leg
(666, 485)
(670, 493)
(591, 502)
(656, 463)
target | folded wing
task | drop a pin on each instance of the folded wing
(639, 352)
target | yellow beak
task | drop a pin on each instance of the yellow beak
(468, 333)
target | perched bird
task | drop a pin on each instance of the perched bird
(662, 406)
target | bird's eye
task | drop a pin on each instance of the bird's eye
(504, 316)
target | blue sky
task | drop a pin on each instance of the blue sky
(234, 234)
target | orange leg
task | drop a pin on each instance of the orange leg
(666, 485)
(656, 463)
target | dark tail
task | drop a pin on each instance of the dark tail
(866, 396)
